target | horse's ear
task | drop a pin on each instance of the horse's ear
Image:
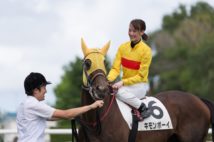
(84, 47)
(105, 48)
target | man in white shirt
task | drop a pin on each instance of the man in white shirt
(33, 113)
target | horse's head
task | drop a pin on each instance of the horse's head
(94, 71)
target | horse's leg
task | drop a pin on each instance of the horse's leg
(210, 105)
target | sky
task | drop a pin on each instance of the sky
(44, 36)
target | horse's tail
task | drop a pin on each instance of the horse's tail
(210, 105)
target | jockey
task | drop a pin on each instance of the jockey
(135, 57)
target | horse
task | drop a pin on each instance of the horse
(191, 116)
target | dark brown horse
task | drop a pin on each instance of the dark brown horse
(191, 117)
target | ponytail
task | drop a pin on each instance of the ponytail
(145, 36)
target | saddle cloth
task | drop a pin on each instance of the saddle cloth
(158, 120)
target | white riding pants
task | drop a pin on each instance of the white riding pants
(133, 93)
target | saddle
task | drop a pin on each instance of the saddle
(158, 119)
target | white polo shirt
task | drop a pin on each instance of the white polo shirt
(31, 120)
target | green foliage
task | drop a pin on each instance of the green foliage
(67, 94)
(68, 90)
(61, 138)
(202, 9)
(170, 22)
(184, 60)
(107, 64)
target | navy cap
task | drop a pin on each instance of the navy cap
(34, 80)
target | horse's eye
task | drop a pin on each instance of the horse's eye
(87, 64)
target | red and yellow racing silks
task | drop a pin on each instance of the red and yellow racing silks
(135, 63)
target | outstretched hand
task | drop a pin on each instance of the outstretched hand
(96, 104)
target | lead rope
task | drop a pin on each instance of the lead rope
(74, 131)
(99, 126)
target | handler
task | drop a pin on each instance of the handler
(33, 113)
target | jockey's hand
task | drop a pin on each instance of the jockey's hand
(117, 85)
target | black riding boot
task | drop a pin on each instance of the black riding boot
(144, 111)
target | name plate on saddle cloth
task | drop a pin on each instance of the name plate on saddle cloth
(158, 120)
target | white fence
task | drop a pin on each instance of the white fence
(50, 131)
(10, 135)
(47, 131)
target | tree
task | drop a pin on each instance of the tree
(170, 22)
(67, 94)
(184, 61)
(68, 90)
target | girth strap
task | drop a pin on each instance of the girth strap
(133, 131)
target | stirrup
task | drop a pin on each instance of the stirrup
(146, 113)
